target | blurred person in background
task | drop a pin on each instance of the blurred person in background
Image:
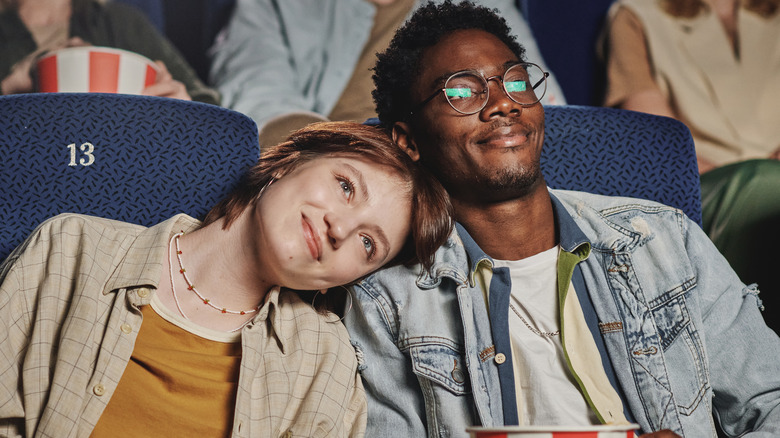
(287, 63)
(30, 28)
(714, 65)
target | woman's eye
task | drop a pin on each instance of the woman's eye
(368, 244)
(346, 187)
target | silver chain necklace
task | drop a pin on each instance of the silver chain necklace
(533, 329)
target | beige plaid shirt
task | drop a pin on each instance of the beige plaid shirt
(69, 316)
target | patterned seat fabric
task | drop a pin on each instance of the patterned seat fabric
(132, 158)
(621, 153)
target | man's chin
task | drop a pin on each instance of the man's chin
(515, 183)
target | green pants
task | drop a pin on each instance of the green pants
(741, 214)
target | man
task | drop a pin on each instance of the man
(287, 63)
(547, 306)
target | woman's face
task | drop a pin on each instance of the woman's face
(331, 221)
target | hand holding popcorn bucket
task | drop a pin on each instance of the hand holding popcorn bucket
(598, 431)
(91, 69)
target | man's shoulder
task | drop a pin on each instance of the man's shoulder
(450, 262)
(606, 218)
(608, 206)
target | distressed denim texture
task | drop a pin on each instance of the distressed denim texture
(685, 337)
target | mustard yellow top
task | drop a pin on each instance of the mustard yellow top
(178, 382)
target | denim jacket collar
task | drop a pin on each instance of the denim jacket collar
(570, 236)
(574, 224)
(571, 239)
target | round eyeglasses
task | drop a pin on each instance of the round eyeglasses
(467, 91)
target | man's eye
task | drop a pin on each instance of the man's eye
(515, 86)
(458, 92)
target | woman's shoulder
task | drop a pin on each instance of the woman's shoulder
(65, 245)
(70, 233)
(74, 223)
(325, 331)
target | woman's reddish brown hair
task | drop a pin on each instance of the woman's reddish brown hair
(431, 221)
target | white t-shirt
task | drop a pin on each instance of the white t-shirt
(546, 391)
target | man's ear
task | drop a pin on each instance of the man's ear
(402, 136)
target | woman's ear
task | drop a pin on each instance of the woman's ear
(403, 138)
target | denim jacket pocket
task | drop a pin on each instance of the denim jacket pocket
(683, 348)
(441, 364)
(671, 314)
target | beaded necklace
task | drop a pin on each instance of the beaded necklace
(191, 287)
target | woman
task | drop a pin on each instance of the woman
(31, 27)
(714, 65)
(226, 347)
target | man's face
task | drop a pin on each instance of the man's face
(490, 156)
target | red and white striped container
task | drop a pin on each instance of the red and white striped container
(598, 431)
(91, 69)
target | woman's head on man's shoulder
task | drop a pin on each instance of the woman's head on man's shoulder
(342, 191)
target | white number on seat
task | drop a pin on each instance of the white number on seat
(87, 149)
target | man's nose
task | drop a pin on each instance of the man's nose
(499, 103)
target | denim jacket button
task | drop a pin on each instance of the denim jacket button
(500, 358)
(458, 376)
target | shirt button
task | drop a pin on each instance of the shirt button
(143, 292)
(126, 329)
(500, 358)
(99, 389)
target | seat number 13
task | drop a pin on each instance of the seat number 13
(87, 150)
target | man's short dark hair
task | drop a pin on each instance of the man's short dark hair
(398, 67)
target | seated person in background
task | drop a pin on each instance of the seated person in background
(202, 329)
(547, 307)
(31, 27)
(286, 63)
(714, 65)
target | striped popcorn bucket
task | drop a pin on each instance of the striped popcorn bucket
(599, 431)
(91, 69)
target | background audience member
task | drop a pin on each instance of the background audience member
(715, 65)
(103, 329)
(29, 28)
(287, 63)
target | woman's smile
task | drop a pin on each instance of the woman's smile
(313, 240)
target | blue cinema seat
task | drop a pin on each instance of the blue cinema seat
(133, 158)
(622, 153)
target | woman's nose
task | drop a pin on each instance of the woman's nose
(340, 227)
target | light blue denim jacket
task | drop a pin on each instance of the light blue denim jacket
(279, 57)
(683, 336)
